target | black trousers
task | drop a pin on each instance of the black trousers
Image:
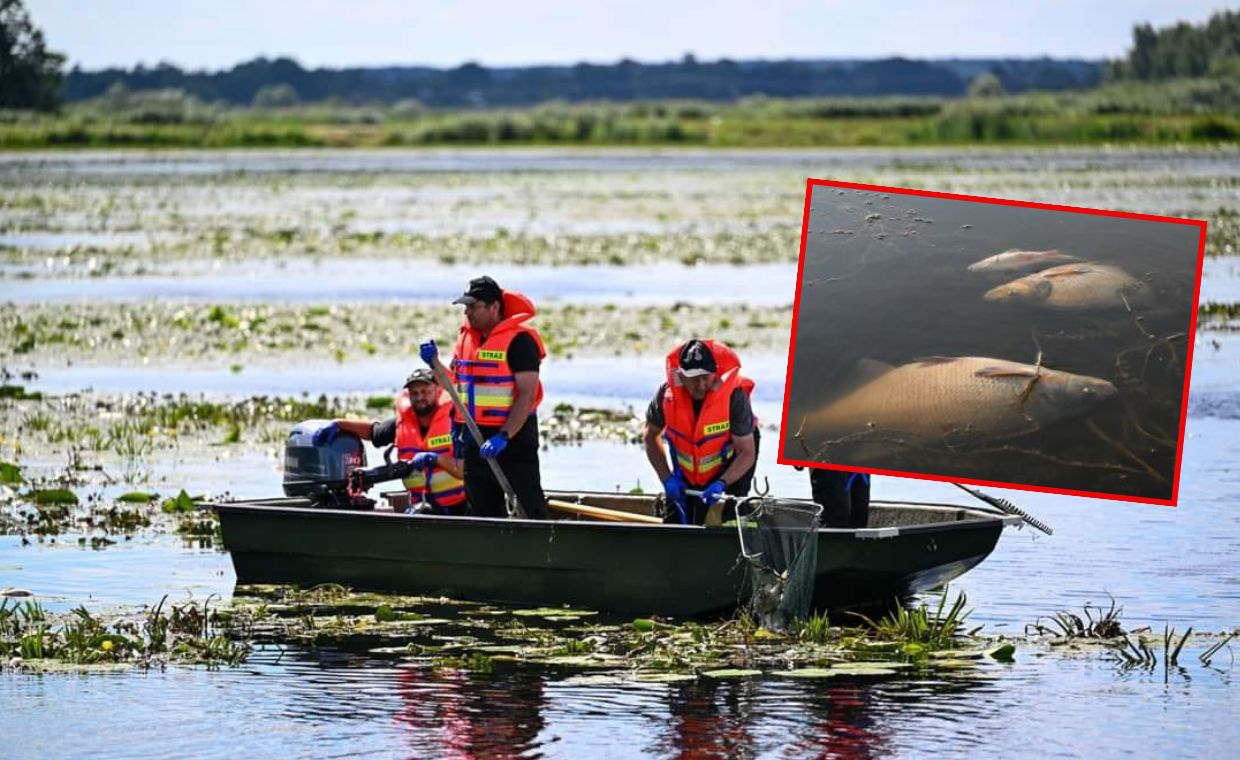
(486, 496)
(844, 496)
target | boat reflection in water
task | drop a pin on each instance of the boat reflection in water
(523, 713)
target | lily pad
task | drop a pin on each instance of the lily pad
(563, 613)
(50, 496)
(585, 661)
(137, 497)
(958, 654)
(10, 474)
(594, 679)
(846, 669)
(810, 673)
(731, 673)
(664, 677)
(954, 664)
(1003, 652)
(389, 650)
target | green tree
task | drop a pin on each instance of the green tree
(1182, 50)
(276, 96)
(29, 72)
(986, 85)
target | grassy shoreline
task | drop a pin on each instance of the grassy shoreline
(1187, 111)
(499, 130)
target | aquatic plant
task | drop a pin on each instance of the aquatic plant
(918, 625)
(816, 628)
(1208, 655)
(183, 632)
(1096, 623)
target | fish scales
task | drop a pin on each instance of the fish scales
(1075, 286)
(961, 396)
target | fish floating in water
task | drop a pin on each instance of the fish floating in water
(959, 398)
(1014, 260)
(1076, 286)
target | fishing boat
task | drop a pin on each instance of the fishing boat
(603, 551)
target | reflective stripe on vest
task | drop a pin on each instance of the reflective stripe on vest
(484, 378)
(702, 443)
(445, 489)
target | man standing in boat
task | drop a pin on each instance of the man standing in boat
(496, 365)
(704, 413)
(422, 433)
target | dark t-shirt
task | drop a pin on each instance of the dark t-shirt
(523, 354)
(740, 412)
(383, 433)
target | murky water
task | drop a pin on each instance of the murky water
(1163, 565)
(886, 279)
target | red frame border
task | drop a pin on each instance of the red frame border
(811, 183)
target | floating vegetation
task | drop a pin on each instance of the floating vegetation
(137, 497)
(442, 633)
(10, 474)
(172, 331)
(52, 497)
(33, 639)
(1096, 624)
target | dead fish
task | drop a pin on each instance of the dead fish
(1014, 260)
(1076, 286)
(962, 397)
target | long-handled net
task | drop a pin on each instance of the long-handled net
(779, 542)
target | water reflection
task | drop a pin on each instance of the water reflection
(459, 714)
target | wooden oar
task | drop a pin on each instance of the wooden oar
(445, 382)
(601, 513)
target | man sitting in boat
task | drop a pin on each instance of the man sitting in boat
(422, 432)
(496, 365)
(704, 413)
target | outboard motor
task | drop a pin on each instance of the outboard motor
(322, 473)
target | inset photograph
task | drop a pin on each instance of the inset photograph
(988, 341)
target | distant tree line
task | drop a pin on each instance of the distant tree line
(1183, 51)
(29, 72)
(255, 82)
(31, 76)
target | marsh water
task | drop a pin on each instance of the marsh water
(1163, 565)
(886, 279)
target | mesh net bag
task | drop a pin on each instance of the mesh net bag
(779, 542)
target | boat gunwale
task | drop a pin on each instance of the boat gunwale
(981, 519)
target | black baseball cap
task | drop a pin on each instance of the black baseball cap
(481, 289)
(422, 375)
(696, 359)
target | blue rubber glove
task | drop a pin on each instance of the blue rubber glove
(460, 440)
(326, 434)
(429, 352)
(674, 487)
(713, 492)
(425, 460)
(494, 445)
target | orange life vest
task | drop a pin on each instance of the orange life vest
(702, 444)
(445, 490)
(483, 377)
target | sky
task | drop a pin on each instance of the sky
(218, 34)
